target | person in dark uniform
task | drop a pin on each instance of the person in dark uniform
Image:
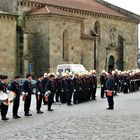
(16, 89)
(103, 83)
(77, 89)
(63, 97)
(39, 93)
(50, 89)
(3, 88)
(94, 85)
(116, 81)
(44, 81)
(110, 89)
(27, 89)
(68, 88)
(125, 83)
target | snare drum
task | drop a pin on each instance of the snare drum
(3, 96)
(11, 97)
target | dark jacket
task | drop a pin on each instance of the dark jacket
(15, 88)
(3, 87)
(110, 83)
(27, 87)
(50, 87)
(39, 87)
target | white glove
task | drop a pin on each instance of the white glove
(25, 93)
(7, 91)
(47, 93)
(38, 93)
(74, 90)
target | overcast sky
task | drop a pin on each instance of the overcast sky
(131, 5)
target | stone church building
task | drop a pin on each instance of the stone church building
(46, 33)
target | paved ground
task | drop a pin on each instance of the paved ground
(86, 121)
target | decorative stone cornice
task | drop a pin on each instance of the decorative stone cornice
(82, 13)
(8, 16)
(31, 4)
(54, 16)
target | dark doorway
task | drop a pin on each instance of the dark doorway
(111, 63)
(120, 61)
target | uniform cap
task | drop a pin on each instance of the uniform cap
(4, 77)
(28, 75)
(17, 76)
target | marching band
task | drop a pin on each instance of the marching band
(66, 88)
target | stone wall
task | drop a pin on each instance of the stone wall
(39, 44)
(47, 37)
(106, 46)
(8, 45)
(9, 5)
(57, 28)
(129, 32)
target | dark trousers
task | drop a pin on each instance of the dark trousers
(16, 106)
(57, 95)
(69, 96)
(50, 101)
(125, 90)
(102, 91)
(44, 100)
(110, 102)
(76, 97)
(38, 102)
(63, 97)
(4, 109)
(27, 103)
(94, 93)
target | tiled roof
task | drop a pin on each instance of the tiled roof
(51, 10)
(87, 5)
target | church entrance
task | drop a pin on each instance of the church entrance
(111, 63)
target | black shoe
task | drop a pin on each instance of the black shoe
(102, 97)
(109, 108)
(27, 114)
(16, 117)
(50, 109)
(40, 112)
(69, 104)
(5, 118)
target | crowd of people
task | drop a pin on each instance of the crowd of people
(67, 88)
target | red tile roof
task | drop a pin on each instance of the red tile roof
(51, 10)
(87, 5)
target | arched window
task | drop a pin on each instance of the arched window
(65, 45)
(97, 29)
(111, 63)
